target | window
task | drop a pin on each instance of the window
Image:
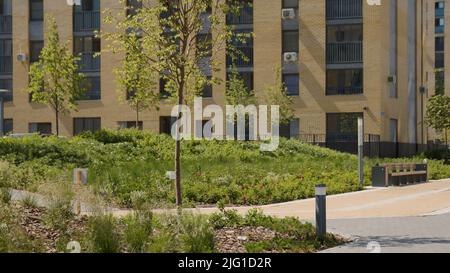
(393, 129)
(440, 83)
(35, 50)
(133, 6)
(36, 10)
(43, 128)
(344, 81)
(291, 82)
(439, 43)
(130, 125)
(290, 4)
(204, 44)
(439, 60)
(207, 91)
(86, 45)
(81, 125)
(291, 129)
(7, 126)
(165, 125)
(290, 41)
(5, 7)
(164, 93)
(5, 56)
(342, 126)
(7, 84)
(93, 88)
(344, 33)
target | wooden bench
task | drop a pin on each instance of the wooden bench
(398, 174)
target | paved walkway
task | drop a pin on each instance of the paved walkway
(423, 199)
(422, 234)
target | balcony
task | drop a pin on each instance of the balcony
(344, 52)
(5, 64)
(86, 21)
(245, 17)
(243, 59)
(344, 9)
(89, 63)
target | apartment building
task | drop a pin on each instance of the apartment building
(341, 59)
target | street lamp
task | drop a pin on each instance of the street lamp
(3, 92)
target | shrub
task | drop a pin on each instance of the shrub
(138, 231)
(29, 201)
(103, 236)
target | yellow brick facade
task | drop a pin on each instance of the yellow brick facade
(311, 105)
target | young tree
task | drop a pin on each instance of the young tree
(438, 114)
(277, 95)
(237, 92)
(137, 86)
(170, 45)
(54, 79)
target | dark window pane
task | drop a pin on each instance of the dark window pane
(44, 128)
(440, 83)
(130, 125)
(292, 84)
(439, 43)
(290, 41)
(290, 4)
(35, 50)
(93, 88)
(439, 61)
(81, 125)
(7, 126)
(165, 125)
(342, 126)
(8, 85)
(344, 81)
(36, 10)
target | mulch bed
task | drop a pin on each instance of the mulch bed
(32, 220)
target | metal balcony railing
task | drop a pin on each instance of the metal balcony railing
(344, 52)
(344, 9)
(86, 20)
(245, 17)
(243, 59)
(5, 64)
(5, 24)
(89, 63)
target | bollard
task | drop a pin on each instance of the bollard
(361, 151)
(79, 178)
(321, 210)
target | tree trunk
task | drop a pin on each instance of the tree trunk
(57, 122)
(178, 158)
(137, 118)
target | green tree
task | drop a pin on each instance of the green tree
(54, 79)
(438, 114)
(172, 48)
(237, 92)
(277, 95)
(136, 85)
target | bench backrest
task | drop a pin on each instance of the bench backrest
(400, 167)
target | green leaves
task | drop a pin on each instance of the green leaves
(54, 79)
(438, 113)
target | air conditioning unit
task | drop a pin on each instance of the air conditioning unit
(290, 57)
(22, 57)
(288, 14)
(392, 79)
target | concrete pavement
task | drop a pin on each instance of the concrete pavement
(421, 234)
(416, 200)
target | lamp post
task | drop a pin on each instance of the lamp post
(3, 92)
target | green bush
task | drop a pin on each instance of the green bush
(138, 231)
(103, 236)
(126, 162)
